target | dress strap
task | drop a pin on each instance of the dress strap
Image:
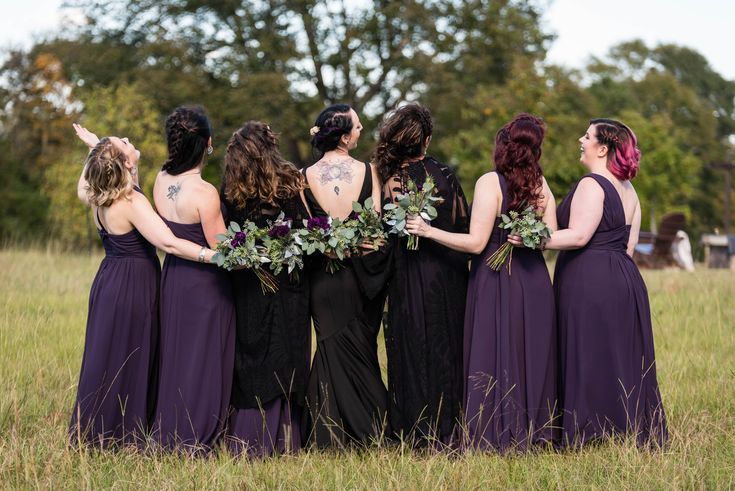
(99, 222)
(367, 184)
(611, 194)
(504, 192)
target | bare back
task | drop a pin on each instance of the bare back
(186, 199)
(335, 183)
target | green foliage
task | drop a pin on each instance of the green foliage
(474, 63)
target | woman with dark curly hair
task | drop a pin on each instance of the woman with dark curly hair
(423, 332)
(607, 362)
(273, 330)
(510, 334)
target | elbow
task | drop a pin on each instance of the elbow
(476, 247)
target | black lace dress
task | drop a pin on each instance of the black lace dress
(424, 328)
(272, 348)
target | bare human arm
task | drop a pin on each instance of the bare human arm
(141, 215)
(584, 217)
(89, 139)
(210, 214)
(484, 212)
(635, 228)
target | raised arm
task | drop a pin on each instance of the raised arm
(584, 217)
(89, 139)
(155, 231)
(484, 212)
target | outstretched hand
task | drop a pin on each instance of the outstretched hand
(89, 138)
(415, 225)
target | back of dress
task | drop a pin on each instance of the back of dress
(606, 339)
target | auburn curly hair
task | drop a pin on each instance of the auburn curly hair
(255, 169)
(106, 175)
(517, 154)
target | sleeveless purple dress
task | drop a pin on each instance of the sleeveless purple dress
(197, 349)
(607, 364)
(117, 382)
(510, 349)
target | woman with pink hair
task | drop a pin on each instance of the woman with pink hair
(608, 371)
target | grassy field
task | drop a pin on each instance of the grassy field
(43, 301)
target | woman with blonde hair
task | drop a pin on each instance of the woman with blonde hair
(117, 383)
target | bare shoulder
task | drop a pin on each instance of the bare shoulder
(589, 187)
(489, 181)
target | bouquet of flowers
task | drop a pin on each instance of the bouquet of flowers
(330, 237)
(240, 248)
(283, 247)
(420, 201)
(368, 223)
(526, 224)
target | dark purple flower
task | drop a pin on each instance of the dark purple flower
(279, 231)
(238, 239)
(318, 223)
(419, 187)
(354, 216)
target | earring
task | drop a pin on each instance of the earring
(210, 149)
(134, 171)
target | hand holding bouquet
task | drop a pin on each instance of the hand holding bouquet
(419, 201)
(240, 248)
(368, 223)
(528, 226)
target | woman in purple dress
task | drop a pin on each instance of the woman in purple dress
(608, 369)
(345, 395)
(117, 383)
(423, 332)
(273, 332)
(197, 311)
(510, 335)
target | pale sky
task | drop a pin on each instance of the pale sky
(583, 27)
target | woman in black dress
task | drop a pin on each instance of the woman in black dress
(346, 398)
(273, 330)
(423, 335)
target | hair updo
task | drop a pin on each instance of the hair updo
(187, 137)
(402, 137)
(623, 155)
(517, 155)
(255, 169)
(333, 122)
(106, 175)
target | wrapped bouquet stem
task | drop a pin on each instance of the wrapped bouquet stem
(528, 225)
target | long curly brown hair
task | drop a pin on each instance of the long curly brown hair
(517, 155)
(255, 169)
(402, 137)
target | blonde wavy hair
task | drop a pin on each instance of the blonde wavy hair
(106, 175)
(255, 169)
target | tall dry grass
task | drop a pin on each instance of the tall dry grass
(43, 300)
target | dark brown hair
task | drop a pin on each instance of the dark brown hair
(402, 137)
(255, 169)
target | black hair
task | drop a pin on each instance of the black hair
(187, 136)
(333, 122)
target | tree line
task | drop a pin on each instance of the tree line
(474, 63)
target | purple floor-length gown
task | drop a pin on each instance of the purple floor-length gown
(197, 349)
(608, 369)
(117, 383)
(510, 349)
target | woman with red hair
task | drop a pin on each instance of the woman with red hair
(607, 364)
(509, 330)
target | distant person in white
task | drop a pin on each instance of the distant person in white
(681, 250)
